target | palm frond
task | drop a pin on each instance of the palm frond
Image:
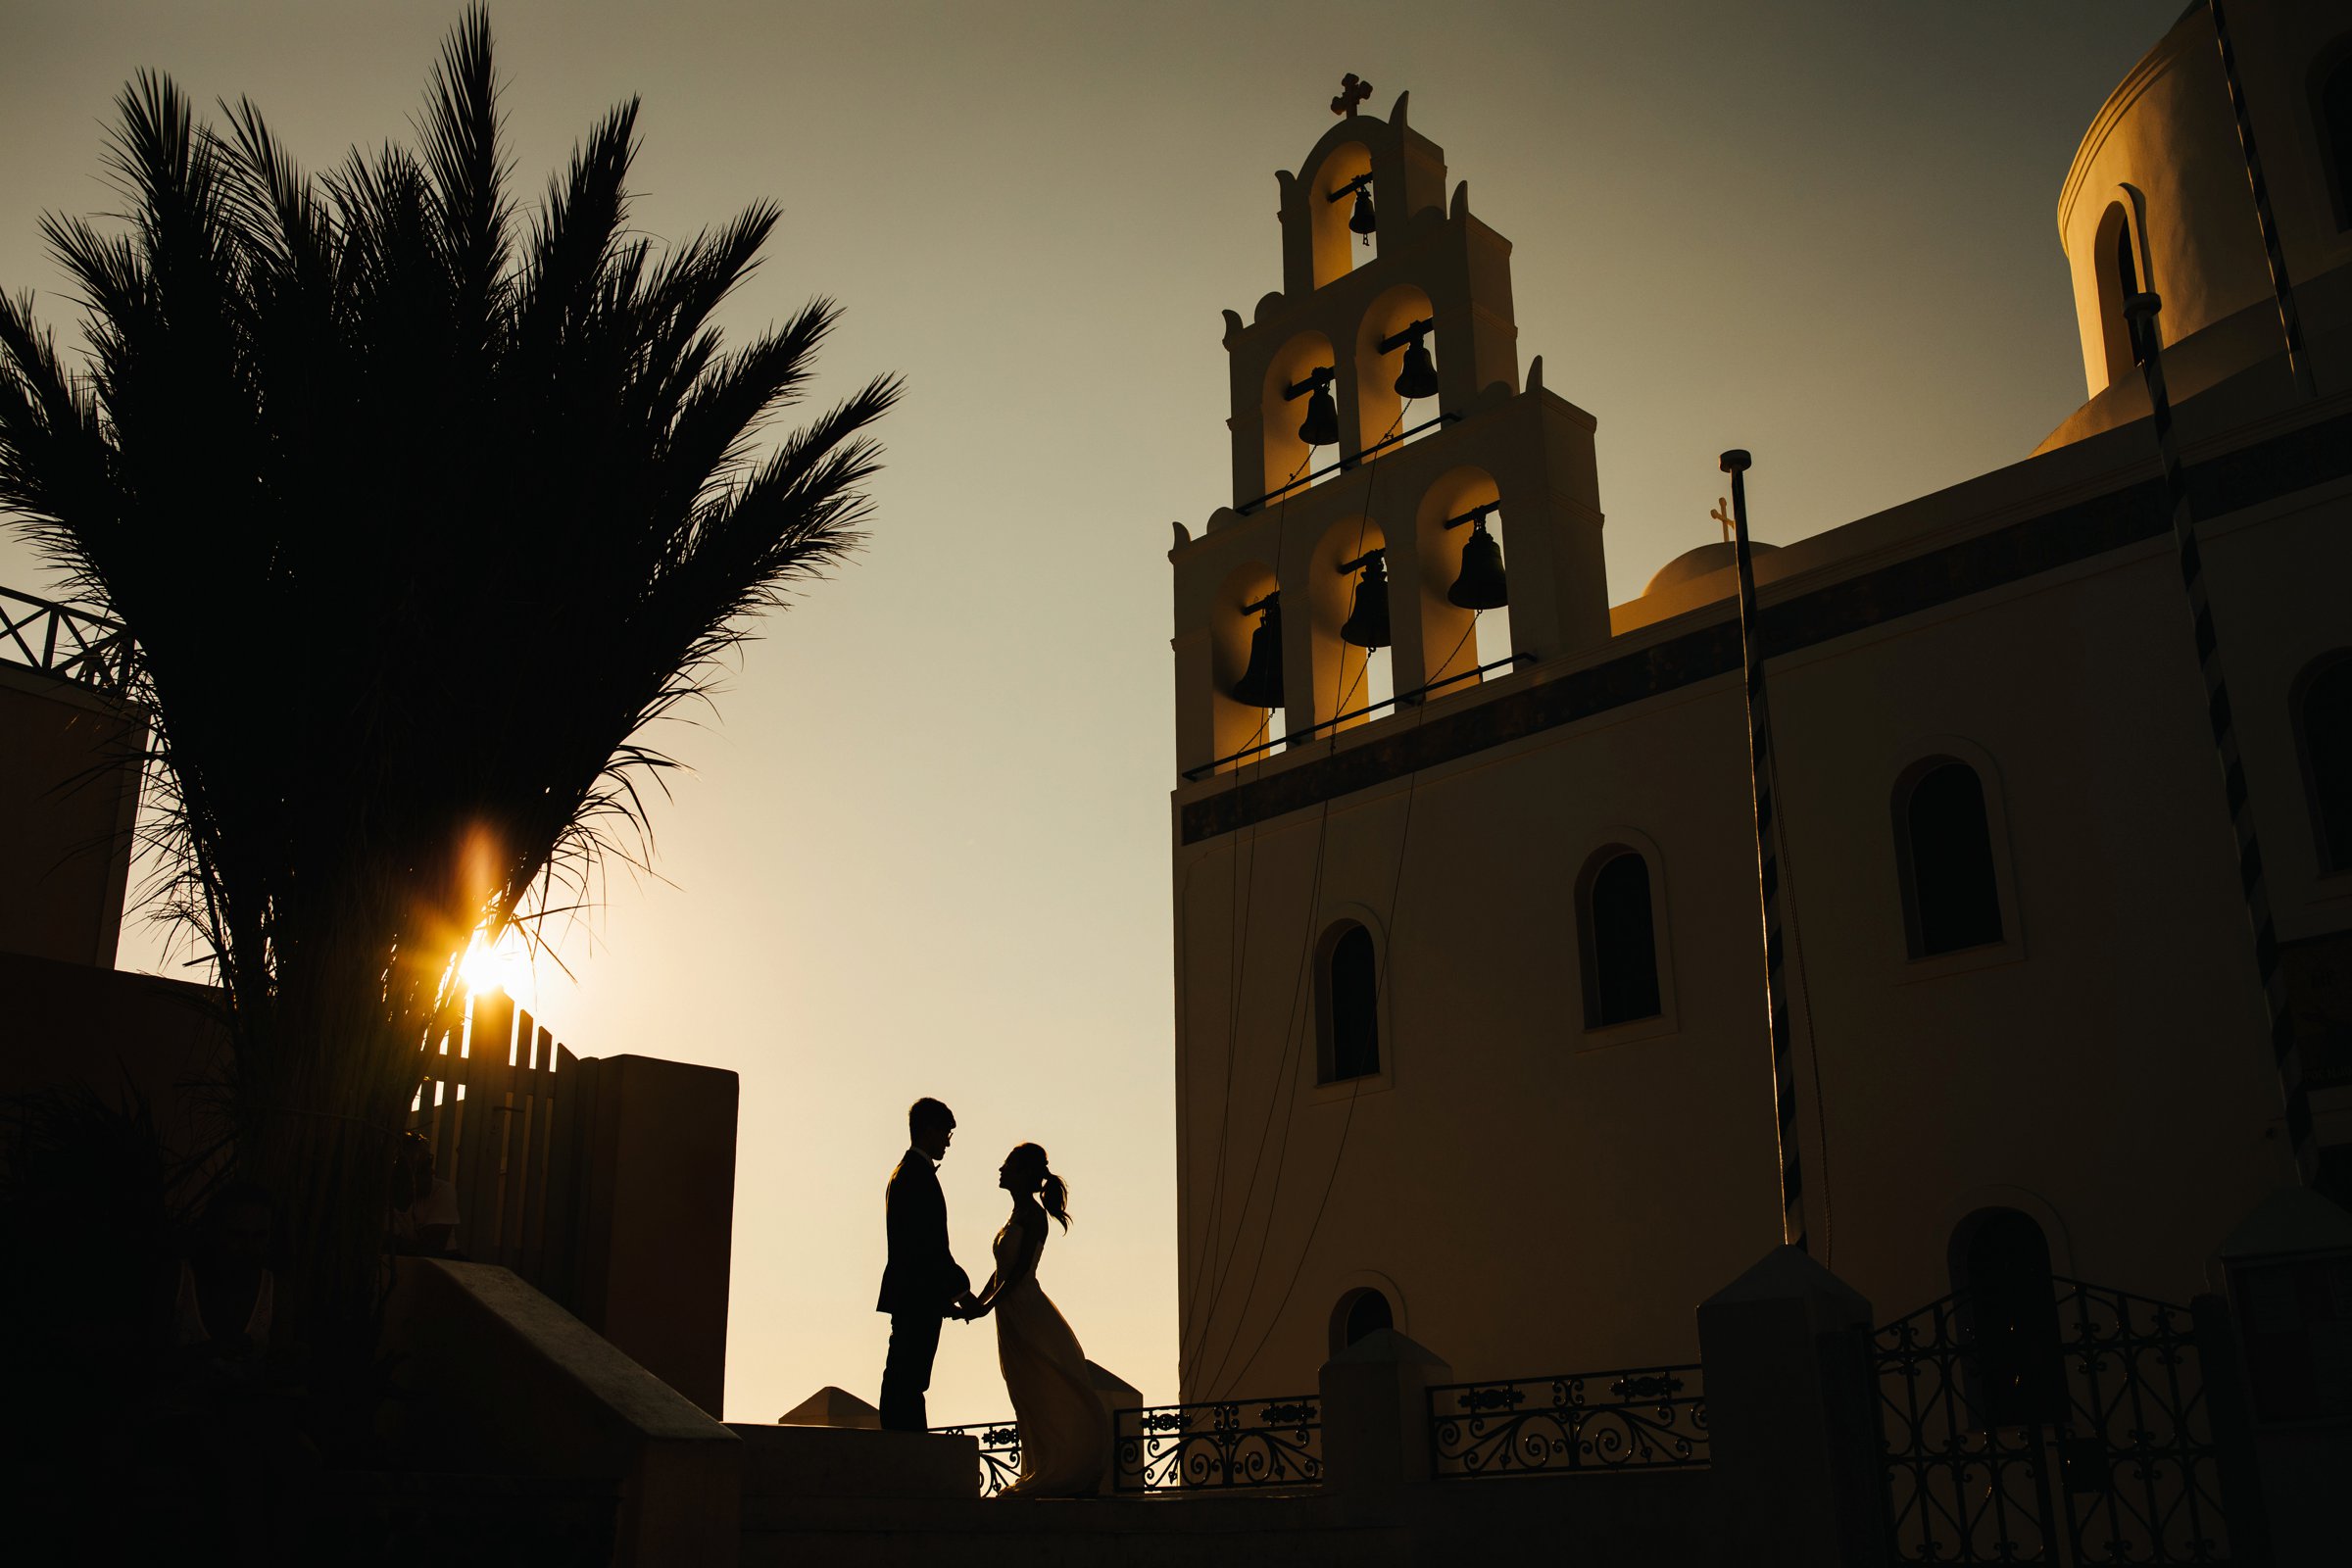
(350, 443)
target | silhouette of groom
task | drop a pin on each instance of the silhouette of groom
(921, 1284)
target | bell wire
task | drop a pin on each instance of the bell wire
(1236, 969)
(1293, 1034)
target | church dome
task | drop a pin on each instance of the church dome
(2158, 198)
(1692, 565)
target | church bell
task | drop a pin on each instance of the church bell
(1419, 376)
(1260, 685)
(1321, 426)
(1367, 624)
(1481, 583)
(1361, 220)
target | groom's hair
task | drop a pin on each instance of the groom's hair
(928, 1112)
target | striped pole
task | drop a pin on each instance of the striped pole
(1768, 869)
(2143, 309)
(2289, 324)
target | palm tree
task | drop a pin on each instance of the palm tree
(421, 510)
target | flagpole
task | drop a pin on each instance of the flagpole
(1768, 869)
(2283, 288)
(2286, 1056)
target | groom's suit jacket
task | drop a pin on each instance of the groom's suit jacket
(921, 1276)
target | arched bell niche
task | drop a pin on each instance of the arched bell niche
(1289, 460)
(1237, 723)
(1456, 640)
(1380, 409)
(1337, 251)
(1348, 677)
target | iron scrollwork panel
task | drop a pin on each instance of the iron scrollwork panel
(999, 1452)
(1956, 1491)
(2124, 1472)
(1223, 1444)
(2143, 1480)
(1638, 1418)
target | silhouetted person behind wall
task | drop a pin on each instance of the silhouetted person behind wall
(922, 1284)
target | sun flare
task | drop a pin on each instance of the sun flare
(505, 964)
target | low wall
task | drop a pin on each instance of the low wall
(524, 1387)
(1659, 1519)
(653, 1150)
(70, 796)
(67, 1023)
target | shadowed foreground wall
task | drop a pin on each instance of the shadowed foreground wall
(521, 1386)
(68, 791)
(656, 1144)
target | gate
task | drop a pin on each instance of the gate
(489, 1103)
(2014, 1433)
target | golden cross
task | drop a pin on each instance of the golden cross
(1351, 94)
(1721, 515)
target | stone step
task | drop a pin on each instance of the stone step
(793, 1462)
(1661, 1518)
(1062, 1533)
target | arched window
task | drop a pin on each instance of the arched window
(2126, 284)
(1951, 896)
(2323, 732)
(2116, 274)
(1618, 936)
(2333, 101)
(1348, 1004)
(1359, 1314)
(2007, 1306)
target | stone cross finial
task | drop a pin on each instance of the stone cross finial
(1352, 91)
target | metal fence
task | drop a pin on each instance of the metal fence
(2079, 1433)
(1253, 1443)
(65, 641)
(999, 1452)
(1652, 1417)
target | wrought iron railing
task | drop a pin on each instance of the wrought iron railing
(999, 1452)
(64, 641)
(1345, 463)
(1402, 700)
(1251, 1444)
(1652, 1417)
(2070, 1436)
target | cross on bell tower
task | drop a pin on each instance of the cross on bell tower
(1379, 429)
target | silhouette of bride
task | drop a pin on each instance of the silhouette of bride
(1065, 1433)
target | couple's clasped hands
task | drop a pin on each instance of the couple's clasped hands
(967, 1308)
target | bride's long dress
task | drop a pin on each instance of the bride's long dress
(1065, 1433)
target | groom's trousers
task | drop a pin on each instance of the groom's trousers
(907, 1373)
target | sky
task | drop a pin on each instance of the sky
(922, 844)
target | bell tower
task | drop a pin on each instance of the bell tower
(1382, 441)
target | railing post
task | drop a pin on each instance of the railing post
(1376, 1417)
(1793, 1416)
(2230, 1406)
(2284, 1264)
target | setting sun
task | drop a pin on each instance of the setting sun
(503, 964)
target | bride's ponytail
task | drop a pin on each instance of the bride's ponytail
(1028, 1162)
(1055, 1196)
